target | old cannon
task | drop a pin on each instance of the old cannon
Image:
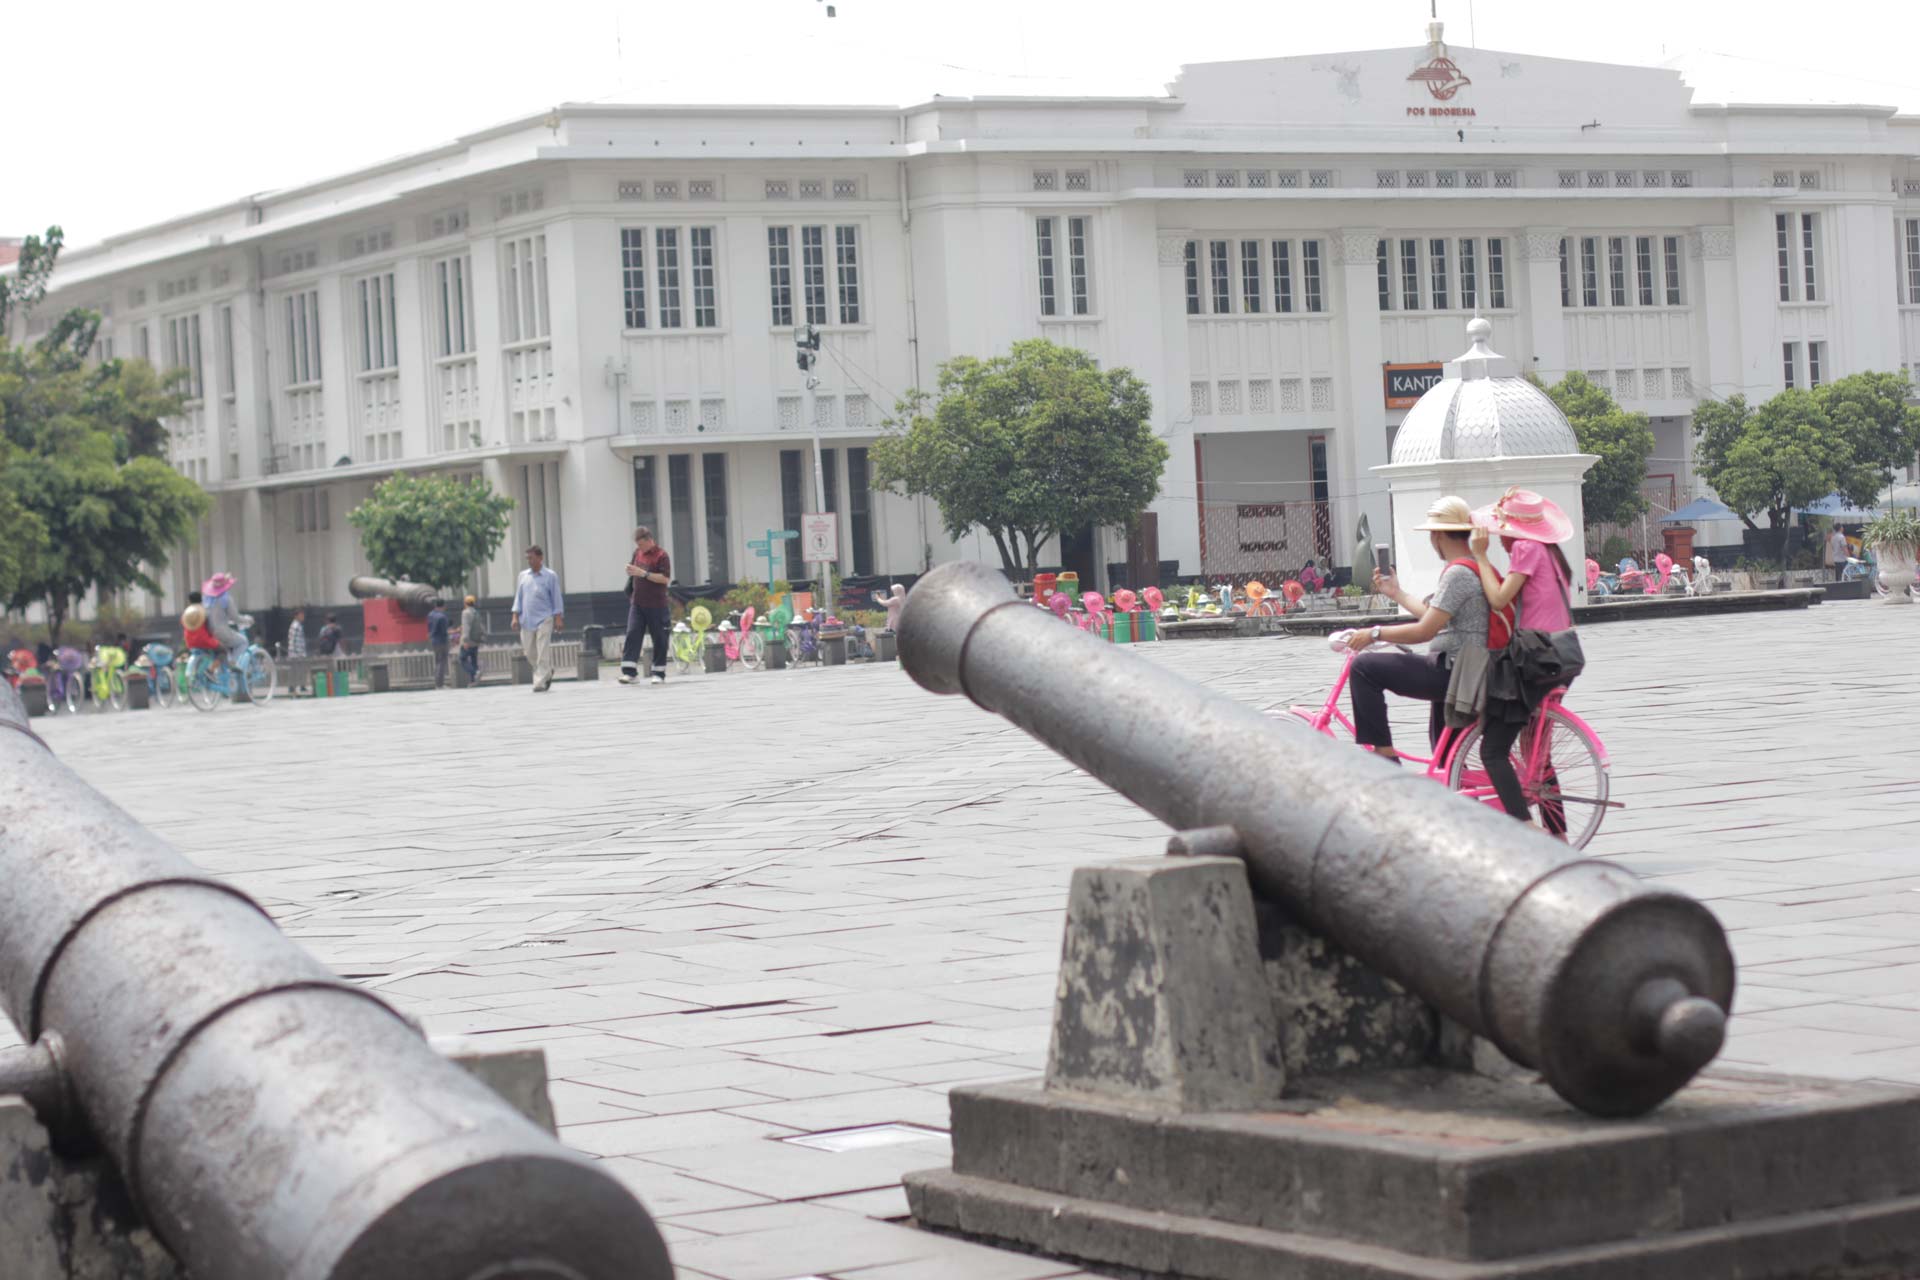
(267, 1118)
(395, 613)
(1616, 992)
(415, 599)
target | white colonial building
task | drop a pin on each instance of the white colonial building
(594, 308)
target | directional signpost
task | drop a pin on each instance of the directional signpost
(767, 547)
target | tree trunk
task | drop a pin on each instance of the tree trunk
(56, 618)
(1007, 561)
(1780, 518)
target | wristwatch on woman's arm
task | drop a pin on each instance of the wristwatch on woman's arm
(1376, 636)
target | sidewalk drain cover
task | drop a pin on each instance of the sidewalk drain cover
(867, 1137)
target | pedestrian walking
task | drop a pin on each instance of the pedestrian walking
(648, 611)
(1837, 552)
(297, 635)
(539, 613)
(330, 636)
(473, 632)
(438, 628)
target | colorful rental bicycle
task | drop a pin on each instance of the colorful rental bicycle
(1561, 761)
(211, 679)
(690, 638)
(108, 671)
(740, 640)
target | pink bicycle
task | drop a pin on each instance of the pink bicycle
(1561, 761)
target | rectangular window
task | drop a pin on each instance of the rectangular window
(680, 506)
(1220, 277)
(1589, 271)
(1496, 273)
(1409, 275)
(227, 371)
(142, 344)
(379, 343)
(666, 265)
(1250, 291)
(1043, 239)
(706, 305)
(1643, 268)
(1384, 271)
(846, 258)
(780, 275)
(183, 352)
(1282, 276)
(1672, 254)
(1469, 275)
(1783, 251)
(1617, 271)
(1815, 350)
(1809, 235)
(713, 467)
(633, 275)
(860, 511)
(1191, 256)
(526, 288)
(1789, 357)
(1078, 274)
(813, 272)
(646, 493)
(1310, 274)
(1437, 272)
(1566, 273)
(793, 504)
(453, 306)
(1913, 261)
(303, 337)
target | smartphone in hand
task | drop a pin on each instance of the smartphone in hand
(1381, 553)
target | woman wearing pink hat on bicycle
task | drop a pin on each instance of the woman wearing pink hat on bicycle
(1531, 528)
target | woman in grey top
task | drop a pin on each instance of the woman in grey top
(1455, 617)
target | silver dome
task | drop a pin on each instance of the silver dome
(1482, 408)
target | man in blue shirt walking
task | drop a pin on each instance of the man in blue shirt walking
(538, 613)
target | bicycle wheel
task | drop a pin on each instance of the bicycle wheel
(72, 696)
(116, 691)
(750, 651)
(160, 680)
(262, 677)
(1568, 790)
(203, 691)
(686, 651)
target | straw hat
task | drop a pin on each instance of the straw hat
(194, 618)
(1522, 513)
(1448, 515)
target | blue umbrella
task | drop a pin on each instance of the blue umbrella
(1700, 509)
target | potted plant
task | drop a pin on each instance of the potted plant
(1895, 539)
(1350, 597)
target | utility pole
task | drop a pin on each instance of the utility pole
(806, 341)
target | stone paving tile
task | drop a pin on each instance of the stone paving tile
(720, 938)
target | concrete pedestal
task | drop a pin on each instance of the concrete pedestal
(779, 654)
(33, 695)
(713, 658)
(1228, 1097)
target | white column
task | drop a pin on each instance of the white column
(1866, 312)
(1361, 443)
(1545, 316)
(1177, 507)
(413, 315)
(489, 371)
(1721, 304)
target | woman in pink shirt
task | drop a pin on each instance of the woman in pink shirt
(1531, 528)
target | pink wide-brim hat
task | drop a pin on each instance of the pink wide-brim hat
(1525, 514)
(218, 584)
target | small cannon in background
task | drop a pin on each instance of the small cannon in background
(268, 1118)
(395, 612)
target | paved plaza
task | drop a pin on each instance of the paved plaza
(746, 909)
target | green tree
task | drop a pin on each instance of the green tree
(1028, 446)
(22, 289)
(431, 529)
(1785, 454)
(1871, 411)
(1623, 441)
(23, 538)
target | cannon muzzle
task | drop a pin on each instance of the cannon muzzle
(1615, 992)
(268, 1117)
(416, 598)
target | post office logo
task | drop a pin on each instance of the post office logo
(1442, 78)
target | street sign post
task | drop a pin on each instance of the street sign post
(768, 547)
(820, 537)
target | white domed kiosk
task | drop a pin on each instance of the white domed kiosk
(1478, 431)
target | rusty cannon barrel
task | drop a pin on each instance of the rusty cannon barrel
(269, 1118)
(1615, 992)
(416, 598)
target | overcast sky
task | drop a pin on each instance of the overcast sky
(127, 112)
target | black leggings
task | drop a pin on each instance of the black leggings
(1497, 736)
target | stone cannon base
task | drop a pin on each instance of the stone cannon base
(1444, 1175)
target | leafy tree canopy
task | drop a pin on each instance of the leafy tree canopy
(1785, 454)
(1623, 441)
(431, 529)
(1871, 411)
(1028, 446)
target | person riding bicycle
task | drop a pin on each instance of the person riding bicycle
(223, 618)
(1453, 620)
(1539, 579)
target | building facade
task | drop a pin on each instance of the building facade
(595, 309)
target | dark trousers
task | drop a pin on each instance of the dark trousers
(642, 623)
(440, 666)
(470, 659)
(1497, 736)
(1411, 675)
